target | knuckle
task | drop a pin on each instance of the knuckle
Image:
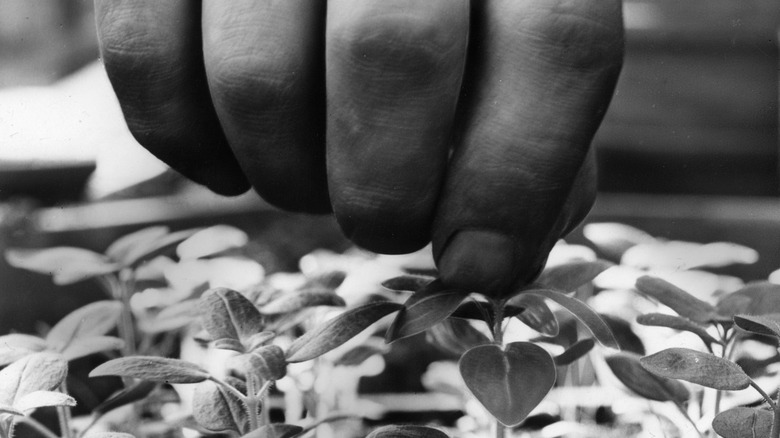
(250, 80)
(128, 46)
(583, 35)
(410, 48)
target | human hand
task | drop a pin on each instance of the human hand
(251, 92)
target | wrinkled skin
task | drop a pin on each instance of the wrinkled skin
(468, 124)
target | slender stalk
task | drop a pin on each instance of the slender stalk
(500, 430)
(765, 395)
(252, 402)
(498, 337)
(40, 428)
(775, 431)
(64, 416)
(125, 285)
(682, 410)
(231, 389)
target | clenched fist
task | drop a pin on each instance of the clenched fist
(464, 123)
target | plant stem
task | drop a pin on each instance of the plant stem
(765, 395)
(498, 321)
(682, 410)
(63, 414)
(775, 431)
(126, 328)
(231, 389)
(40, 428)
(500, 430)
(252, 401)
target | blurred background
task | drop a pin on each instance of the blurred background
(688, 150)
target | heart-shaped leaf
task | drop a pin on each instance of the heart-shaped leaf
(36, 372)
(575, 352)
(153, 369)
(297, 300)
(426, 308)
(696, 367)
(125, 245)
(456, 336)
(743, 423)
(509, 382)
(41, 399)
(410, 283)
(16, 345)
(406, 431)
(768, 325)
(677, 323)
(568, 277)
(276, 430)
(82, 347)
(218, 410)
(131, 394)
(536, 314)
(94, 319)
(630, 372)
(338, 330)
(583, 313)
(210, 241)
(685, 304)
(227, 314)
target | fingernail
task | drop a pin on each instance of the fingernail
(478, 261)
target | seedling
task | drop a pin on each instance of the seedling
(721, 327)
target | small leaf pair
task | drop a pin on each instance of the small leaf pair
(78, 334)
(30, 383)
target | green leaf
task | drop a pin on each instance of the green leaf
(570, 276)
(677, 323)
(456, 336)
(330, 280)
(685, 304)
(583, 313)
(153, 369)
(10, 410)
(614, 239)
(131, 394)
(36, 372)
(509, 382)
(411, 283)
(148, 250)
(731, 305)
(575, 352)
(65, 264)
(267, 363)
(82, 347)
(172, 318)
(768, 325)
(276, 430)
(125, 246)
(227, 314)
(297, 300)
(16, 345)
(41, 399)
(743, 422)
(338, 330)
(94, 319)
(109, 435)
(696, 367)
(536, 314)
(426, 308)
(764, 298)
(406, 431)
(630, 372)
(211, 241)
(358, 355)
(218, 410)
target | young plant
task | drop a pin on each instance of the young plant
(29, 383)
(508, 378)
(752, 309)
